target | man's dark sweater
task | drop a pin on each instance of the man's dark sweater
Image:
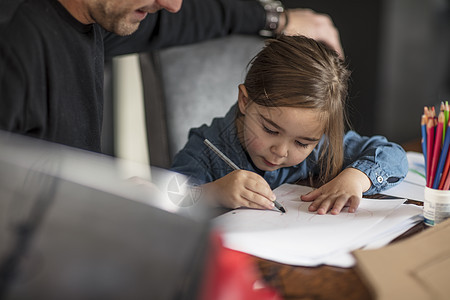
(51, 66)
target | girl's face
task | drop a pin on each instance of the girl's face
(277, 137)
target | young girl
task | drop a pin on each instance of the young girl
(288, 124)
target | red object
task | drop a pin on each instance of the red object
(430, 148)
(436, 149)
(232, 275)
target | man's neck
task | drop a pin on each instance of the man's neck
(78, 9)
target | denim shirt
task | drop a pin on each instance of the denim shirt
(385, 163)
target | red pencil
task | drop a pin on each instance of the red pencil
(430, 144)
(444, 175)
(446, 185)
(436, 148)
(446, 170)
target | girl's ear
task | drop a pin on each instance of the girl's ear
(243, 100)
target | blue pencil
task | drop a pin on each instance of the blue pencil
(424, 138)
(442, 159)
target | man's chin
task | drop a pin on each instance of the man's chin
(126, 29)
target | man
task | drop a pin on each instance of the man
(52, 52)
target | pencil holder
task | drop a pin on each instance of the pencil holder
(436, 207)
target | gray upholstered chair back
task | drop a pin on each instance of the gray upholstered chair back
(197, 83)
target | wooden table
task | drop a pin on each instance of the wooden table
(323, 282)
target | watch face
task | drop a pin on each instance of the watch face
(273, 10)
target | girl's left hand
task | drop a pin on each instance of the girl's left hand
(344, 190)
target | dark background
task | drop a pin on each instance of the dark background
(399, 55)
(398, 52)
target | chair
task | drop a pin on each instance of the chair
(187, 86)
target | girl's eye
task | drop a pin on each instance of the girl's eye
(269, 131)
(301, 144)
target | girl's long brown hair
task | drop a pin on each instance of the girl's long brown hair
(296, 71)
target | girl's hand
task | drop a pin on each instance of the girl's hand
(344, 190)
(241, 189)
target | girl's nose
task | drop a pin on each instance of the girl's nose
(280, 150)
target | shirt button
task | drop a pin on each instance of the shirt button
(380, 179)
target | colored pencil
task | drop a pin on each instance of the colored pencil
(436, 148)
(426, 111)
(444, 175)
(446, 185)
(435, 142)
(442, 109)
(445, 172)
(423, 126)
(446, 114)
(442, 158)
(430, 144)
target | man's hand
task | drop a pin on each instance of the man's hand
(313, 25)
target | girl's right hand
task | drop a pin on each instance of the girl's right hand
(241, 188)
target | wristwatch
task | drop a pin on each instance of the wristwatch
(273, 9)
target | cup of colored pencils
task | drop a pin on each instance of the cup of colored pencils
(435, 146)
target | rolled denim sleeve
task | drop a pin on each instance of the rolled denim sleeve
(193, 161)
(384, 162)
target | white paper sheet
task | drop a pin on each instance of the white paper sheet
(300, 237)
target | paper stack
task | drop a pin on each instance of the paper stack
(300, 237)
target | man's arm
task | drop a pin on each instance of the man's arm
(196, 21)
(199, 20)
(12, 83)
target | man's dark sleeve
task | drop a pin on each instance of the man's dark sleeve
(12, 84)
(196, 21)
